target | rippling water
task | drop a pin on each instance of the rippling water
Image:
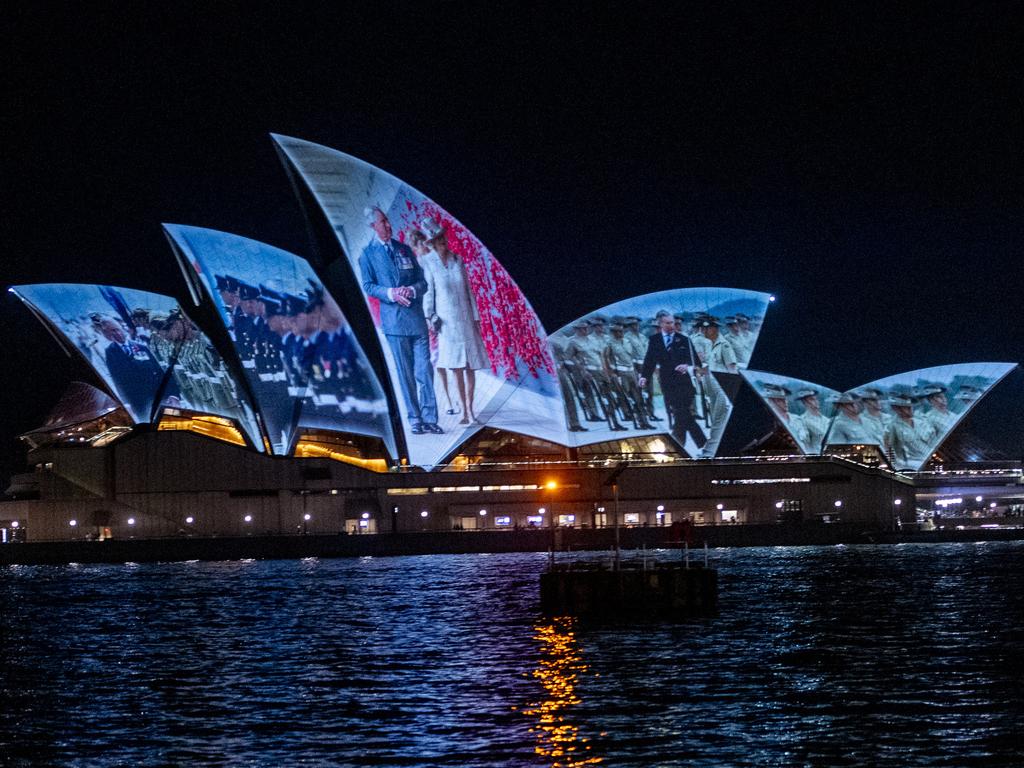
(889, 655)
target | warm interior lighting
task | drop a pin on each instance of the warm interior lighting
(216, 427)
(309, 449)
(551, 485)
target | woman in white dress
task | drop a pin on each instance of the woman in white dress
(451, 312)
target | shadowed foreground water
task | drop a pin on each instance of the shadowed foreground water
(886, 655)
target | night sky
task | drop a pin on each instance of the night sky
(862, 162)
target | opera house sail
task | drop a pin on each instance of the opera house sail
(618, 367)
(294, 344)
(462, 345)
(145, 349)
(907, 415)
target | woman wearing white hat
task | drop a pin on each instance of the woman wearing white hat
(451, 312)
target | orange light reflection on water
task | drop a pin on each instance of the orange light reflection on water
(558, 671)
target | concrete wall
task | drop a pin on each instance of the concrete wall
(160, 479)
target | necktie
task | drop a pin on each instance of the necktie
(668, 341)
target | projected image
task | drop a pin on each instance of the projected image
(296, 348)
(464, 348)
(803, 408)
(910, 414)
(144, 347)
(664, 362)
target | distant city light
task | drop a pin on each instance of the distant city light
(190, 519)
(72, 523)
(541, 511)
(771, 298)
(248, 518)
(839, 503)
(661, 507)
(131, 521)
(366, 515)
(424, 513)
(483, 512)
(15, 524)
(977, 498)
(600, 509)
(778, 505)
(992, 505)
(898, 502)
(307, 516)
(719, 506)
(551, 485)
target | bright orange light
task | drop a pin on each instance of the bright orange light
(551, 485)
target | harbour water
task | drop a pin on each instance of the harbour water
(846, 655)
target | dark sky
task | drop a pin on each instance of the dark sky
(863, 162)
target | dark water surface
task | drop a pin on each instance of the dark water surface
(863, 656)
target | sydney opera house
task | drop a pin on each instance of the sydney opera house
(397, 379)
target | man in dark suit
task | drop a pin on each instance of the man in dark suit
(390, 273)
(134, 372)
(673, 355)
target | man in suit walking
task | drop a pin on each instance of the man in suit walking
(390, 273)
(673, 355)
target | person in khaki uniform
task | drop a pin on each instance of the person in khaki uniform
(618, 360)
(907, 436)
(815, 423)
(587, 355)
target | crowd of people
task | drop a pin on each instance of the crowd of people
(906, 422)
(297, 346)
(606, 366)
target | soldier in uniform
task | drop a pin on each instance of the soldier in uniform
(637, 343)
(778, 400)
(578, 374)
(875, 419)
(938, 417)
(907, 437)
(618, 360)
(588, 357)
(847, 426)
(814, 423)
(570, 396)
(720, 382)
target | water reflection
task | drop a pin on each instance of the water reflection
(558, 671)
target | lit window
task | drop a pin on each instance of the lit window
(631, 518)
(503, 520)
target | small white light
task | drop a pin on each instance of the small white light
(898, 502)
(661, 507)
(977, 498)
(771, 298)
(72, 523)
(778, 505)
(248, 518)
(364, 523)
(541, 511)
(483, 512)
(719, 506)
(307, 516)
(15, 524)
(424, 513)
(366, 515)
(190, 519)
(839, 503)
(131, 521)
(992, 505)
(600, 509)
